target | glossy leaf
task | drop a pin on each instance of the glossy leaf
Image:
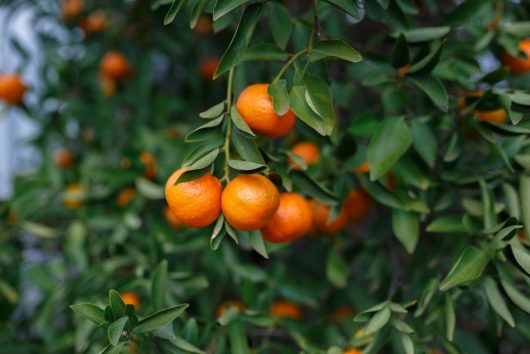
(468, 267)
(334, 49)
(222, 7)
(159, 318)
(406, 228)
(115, 330)
(280, 97)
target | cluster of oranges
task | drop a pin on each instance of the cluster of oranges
(252, 202)
(94, 22)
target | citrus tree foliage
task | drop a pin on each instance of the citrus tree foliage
(409, 103)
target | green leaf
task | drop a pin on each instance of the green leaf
(524, 197)
(320, 95)
(391, 139)
(424, 34)
(512, 200)
(518, 29)
(497, 301)
(378, 321)
(313, 188)
(116, 303)
(186, 346)
(424, 141)
(281, 31)
(115, 330)
(426, 296)
(521, 255)
(434, 89)
(518, 298)
(302, 110)
(257, 243)
(109, 349)
(446, 224)
(427, 63)
(195, 134)
(90, 311)
(197, 11)
(238, 45)
(336, 269)
(351, 7)
(238, 338)
(217, 233)
(149, 189)
(175, 8)
(159, 287)
(334, 49)
(280, 97)
(406, 227)
(222, 7)
(201, 163)
(407, 343)
(214, 112)
(400, 54)
(246, 146)
(239, 122)
(159, 318)
(265, 51)
(450, 317)
(241, 165)
(468, 267)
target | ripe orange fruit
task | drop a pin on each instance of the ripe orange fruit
(364, 168)
(75, 193)
(204, 25)
(72, 8)
(353, 351)
(358, 204)
(115, 66)
(320, 218)
(131, 299)
(171, 218)
(255, 106)
(208, 67)
(516, 65)
(149, 161)
(521, 235)
(95, 22)
(63, 158)
(495, 116)
(12, 88)
(107, 85)
(173, 133)
(228, 304)
(250, 201)
(286, 309)
(308, 151)
(125, 196)
(195, 203)
(291, 221)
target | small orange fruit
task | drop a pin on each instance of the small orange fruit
(250, 201)
(291, 221)
(149, 161)
(342, 313)
(358, 204)
(63, 158)
(308, 151)
(72, 8)
(516, 65)
(107, 85)
(521, 235)
(353, 351)
(125, 196)
(228, 304)
(172, 219)
(364, 168)
(75, 193)
(95, 22)
(403, 70)
(131, 299)
(12, 88)
(255, 106)
(204, 25)
(172, 133)
(115, 66)
(208, 67)
(321, 215)
(495, 116)
(286, 309)
(195, 203)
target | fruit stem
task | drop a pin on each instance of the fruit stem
(293, 58)
(226, 148)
